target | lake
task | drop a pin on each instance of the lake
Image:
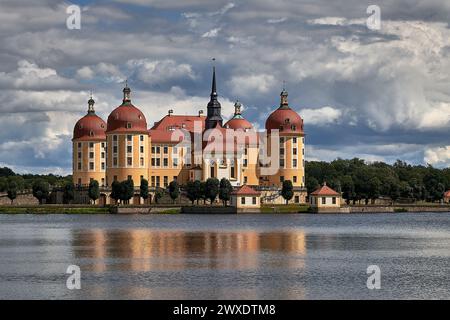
(255, 256)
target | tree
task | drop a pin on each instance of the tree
(126, 190)
(158, 194)
(311, 184)
(174, 190)
(40, 190)
(211, 189)
(144, 189)
(68, 194)
(374, 189)
(12, 191)
(191, 190)
(348, 188)
(202, 192)
(116, 190)
(225, 189)
(287, 191)
(94, 190)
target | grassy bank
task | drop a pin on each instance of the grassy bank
(284, 208)
(53, 210)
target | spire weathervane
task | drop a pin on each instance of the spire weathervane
(91, 103)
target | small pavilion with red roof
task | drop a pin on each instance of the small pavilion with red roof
(325, 199)
(246, 198)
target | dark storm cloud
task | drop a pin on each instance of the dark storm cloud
(377, 94)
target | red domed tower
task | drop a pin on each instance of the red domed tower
(289, 125)
(128, 143)
(238, 121)
(89, 148)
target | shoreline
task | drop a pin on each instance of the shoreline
(180, 209)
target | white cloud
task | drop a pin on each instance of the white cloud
(321, 116)
(160, 71)
(279, 20)
(211, 33)
(247, 85)
(437, 156)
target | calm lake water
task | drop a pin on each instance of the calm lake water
(225, 256)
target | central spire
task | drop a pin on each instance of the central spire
(213, 87)
(213, 117)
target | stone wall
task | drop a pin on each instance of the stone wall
(21, 200)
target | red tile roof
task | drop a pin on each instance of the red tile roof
(324, 191)
(246, 191)
(162, 131)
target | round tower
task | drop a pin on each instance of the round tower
(128, 143)
(89, 148)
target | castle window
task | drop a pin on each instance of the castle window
(166, 149)
(141, 138)
(153, 181)
(153, 162)
(158, 181)
(114, 161)
(91, 144)
(175, 162)
(79, 165)
(142, 149)
(166, 181)
(103, 166)
(294, 163)
(114, 149)
(142, 162)
(282, 163)
(245, 180)
(294, 151)
(79, 145)
(79, 155)
(281, 140)
(114, 138)
(91, 155)
(294, 179)
(129, 137)
(281, 151)
(103, 155)
(91, 166)
(129, 161)
(153, 149)
(128, 125)
(294, 140)
(91, 133)
(293, 128)
(129, 149)
(165, 162)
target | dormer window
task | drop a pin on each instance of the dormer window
(116, 116)
(293, 128)
(281, 128)
(140, 116)
(91, 133)
(128, 125)
(287, 120)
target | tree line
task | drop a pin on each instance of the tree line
(366, 182)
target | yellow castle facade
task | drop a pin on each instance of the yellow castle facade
(191, 147)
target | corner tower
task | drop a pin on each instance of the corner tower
(89, 148)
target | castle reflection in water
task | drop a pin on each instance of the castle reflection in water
(143, 250)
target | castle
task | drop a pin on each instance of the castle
(190, 147)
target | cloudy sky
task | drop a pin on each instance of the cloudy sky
(376, 94)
